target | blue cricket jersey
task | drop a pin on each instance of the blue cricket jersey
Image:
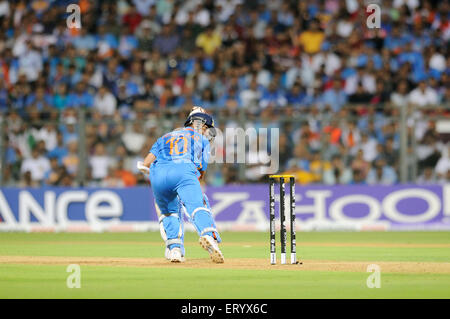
(182, 146)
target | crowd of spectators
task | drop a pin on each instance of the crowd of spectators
(132, 62)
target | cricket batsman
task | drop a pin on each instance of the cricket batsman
(177, 161)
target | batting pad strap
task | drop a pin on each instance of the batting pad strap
(197, 209)
(162, 231)
(207, 230)
(173, 241)
(166, 215)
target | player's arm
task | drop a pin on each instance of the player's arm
(149, 159)
(144, 166)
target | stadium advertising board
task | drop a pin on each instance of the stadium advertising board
(240, 208)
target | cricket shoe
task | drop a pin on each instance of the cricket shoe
(212, 247)
(174, 255)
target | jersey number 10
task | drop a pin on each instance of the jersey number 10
(174, 145)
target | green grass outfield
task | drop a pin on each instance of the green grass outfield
(130, 265)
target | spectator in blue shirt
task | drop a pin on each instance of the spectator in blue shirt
(131, 88)
(128, 42)
(60, 151)
(3, 97)
(396, 40)
(52, 58)
(420, 38)
(85, 41)
(231, 94)
(81, 97)
(60, 100)
(41, 100)
(69, 130)
(285, 15)
(272, 96)
(206, 100)
(357, 177)
(111, 74)
(105, 42)
(72, 77)
(315, 97)
(167, 41)
(381, 173)
(70, 56)
(21, 97)
(369, 55)
(296, 96)
(415, 59)
(335, 97)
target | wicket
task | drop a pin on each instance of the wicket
(272, 179)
